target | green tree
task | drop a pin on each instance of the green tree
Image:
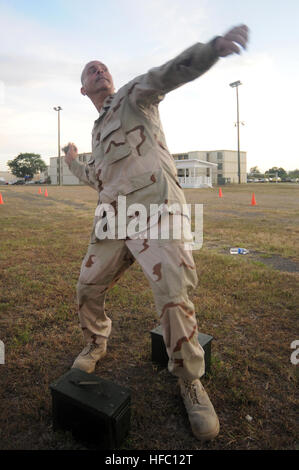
(280, 172)
(26, 164)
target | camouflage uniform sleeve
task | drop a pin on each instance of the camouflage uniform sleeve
(151, 87)
(85, 173)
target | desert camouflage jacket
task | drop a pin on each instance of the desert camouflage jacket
(129, 152)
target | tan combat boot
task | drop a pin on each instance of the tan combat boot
(202, 416)
(90, 355)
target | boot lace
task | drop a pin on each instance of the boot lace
(191, 389)
(89, 348)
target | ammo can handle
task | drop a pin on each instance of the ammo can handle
(85, 383)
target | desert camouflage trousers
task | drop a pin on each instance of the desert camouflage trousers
(171, 272)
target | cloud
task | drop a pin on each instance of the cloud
(173, 24)
(37, 52)
(34, 71)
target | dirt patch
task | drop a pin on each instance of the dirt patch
(274, 261)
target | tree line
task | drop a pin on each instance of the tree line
(281, 173)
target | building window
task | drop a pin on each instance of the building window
(183, 172)
(183, 157)
(220, 166)
(208, 172)
(208, 157)
(219, 155)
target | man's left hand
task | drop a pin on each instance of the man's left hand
(227, 44)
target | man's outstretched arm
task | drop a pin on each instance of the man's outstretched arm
(187, 66)
(84, 173)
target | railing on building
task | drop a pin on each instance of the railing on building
(195, 181)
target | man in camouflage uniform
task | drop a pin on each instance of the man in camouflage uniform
(130, 158)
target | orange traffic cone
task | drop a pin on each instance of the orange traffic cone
(220, 192)
(40, 191)
(1, 200)
(253, 201)
(46, 193)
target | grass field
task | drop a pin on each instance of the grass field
(249, 304)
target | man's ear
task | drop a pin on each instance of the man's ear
(83, 92)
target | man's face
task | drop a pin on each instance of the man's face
(96, 78)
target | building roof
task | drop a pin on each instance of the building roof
(194, 162)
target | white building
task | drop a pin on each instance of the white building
(198, 169)
(67, 176)
(194, 172)
(206, 168)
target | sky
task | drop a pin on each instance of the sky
(44, 46)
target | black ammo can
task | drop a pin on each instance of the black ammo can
(96, 411)
(159, 353)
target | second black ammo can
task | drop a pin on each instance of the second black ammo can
(159, 353)
(96, 411)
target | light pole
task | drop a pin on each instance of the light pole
(58, 108)
(235, 85)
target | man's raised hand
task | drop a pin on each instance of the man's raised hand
(227, 44)
(71, 152)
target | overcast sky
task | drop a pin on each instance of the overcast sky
(45, 44)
